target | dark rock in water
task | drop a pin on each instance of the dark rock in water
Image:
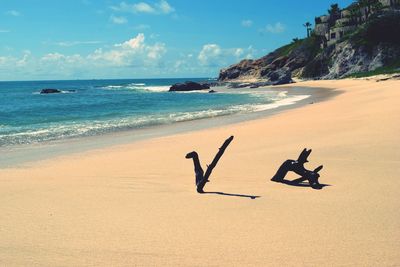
(50, 91)
(212, 91)
(188, 86)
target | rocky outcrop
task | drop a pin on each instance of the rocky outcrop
(280, 76)
(277, 67)
(350, 60)
(50, 91)
(188, 86)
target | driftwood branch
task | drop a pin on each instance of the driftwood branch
(297, 166)
(201, 179)
(217, 157)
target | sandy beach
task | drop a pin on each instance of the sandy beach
(136, 204)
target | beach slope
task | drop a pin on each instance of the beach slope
(136, 204)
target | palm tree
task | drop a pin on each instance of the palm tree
(308, 27)
(334, 14)
(355, 13)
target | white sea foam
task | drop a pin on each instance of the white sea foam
(283, 102)
(282, 94)
(113, 87)
(156, 88)
(120, 87)
(68, 91)
(138, 86)
(93, 127)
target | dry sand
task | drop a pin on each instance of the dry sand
(136, 204)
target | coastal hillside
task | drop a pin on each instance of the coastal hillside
(360, 40)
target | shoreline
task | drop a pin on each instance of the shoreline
(136, 203)
(25, 155)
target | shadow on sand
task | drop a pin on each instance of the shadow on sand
(300, 182)
(232, 195)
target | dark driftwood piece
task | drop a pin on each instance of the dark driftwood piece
(201, 178)
(297, 166)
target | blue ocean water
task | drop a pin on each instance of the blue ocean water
(94, 107)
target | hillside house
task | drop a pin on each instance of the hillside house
(332, 30)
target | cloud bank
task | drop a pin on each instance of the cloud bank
(135, 57)
(162, 7)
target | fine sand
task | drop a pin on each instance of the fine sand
(136, 204)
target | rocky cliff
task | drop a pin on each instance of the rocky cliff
(374, 46)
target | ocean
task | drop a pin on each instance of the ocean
(97, 107)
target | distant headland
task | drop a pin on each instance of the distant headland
(360, 40)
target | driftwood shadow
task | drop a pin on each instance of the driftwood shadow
(232, 195)
(301, 183)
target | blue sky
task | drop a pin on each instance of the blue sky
(85, 39)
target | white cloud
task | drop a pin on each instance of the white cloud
(14, 13)
(134, 52)
(154, 36)
(274, 28)
(53, 57)
(156, 51)
(112, 61)
(214, 55)
(118, 19)
(4, 31)
(250, 52)
(209, 54)
(10, 62)
(142, 27)
(25, 58)
(238, 52)
(165, 7)
(74, 43)
(162, 7)
(247, 23)
(62, 60)
(134, 43)
(4, 60)
(179, 63)
(137, 56)
(143, 7)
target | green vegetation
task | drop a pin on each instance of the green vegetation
(313, 45)
(287, 49)
(310, 44)
(380, 29)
